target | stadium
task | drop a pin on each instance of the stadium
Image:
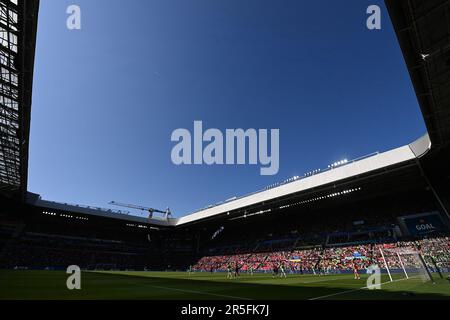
(305, 238)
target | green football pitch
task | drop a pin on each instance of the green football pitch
(205, 286)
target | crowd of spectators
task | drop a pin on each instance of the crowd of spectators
(335, 259)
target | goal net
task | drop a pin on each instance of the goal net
(404, 262)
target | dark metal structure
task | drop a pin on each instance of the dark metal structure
(18, 25)
(423, 31)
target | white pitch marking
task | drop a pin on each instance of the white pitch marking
(354, 290)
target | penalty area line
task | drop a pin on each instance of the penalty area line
(354, 290)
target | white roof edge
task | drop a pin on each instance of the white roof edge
(107, 213)
(421, 146)
(412, 151)
(415, 150)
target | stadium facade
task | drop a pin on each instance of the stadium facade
(18, 25)
(399, 194)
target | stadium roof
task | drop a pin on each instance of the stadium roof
(18, 25)
(96, 211)
(423, 31)
(352, 169)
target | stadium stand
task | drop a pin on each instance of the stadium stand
(50, 240)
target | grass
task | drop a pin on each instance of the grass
(51, 285)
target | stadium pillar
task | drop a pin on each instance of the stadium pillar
(433, 190)
(436, 267)
(426, 268)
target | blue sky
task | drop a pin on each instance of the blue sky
(107, 98)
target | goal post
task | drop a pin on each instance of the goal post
(386, 264)
(402, 265)
(405, 263)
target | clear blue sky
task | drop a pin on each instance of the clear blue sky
(107, 97)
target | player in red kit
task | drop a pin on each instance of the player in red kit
(355, 270)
